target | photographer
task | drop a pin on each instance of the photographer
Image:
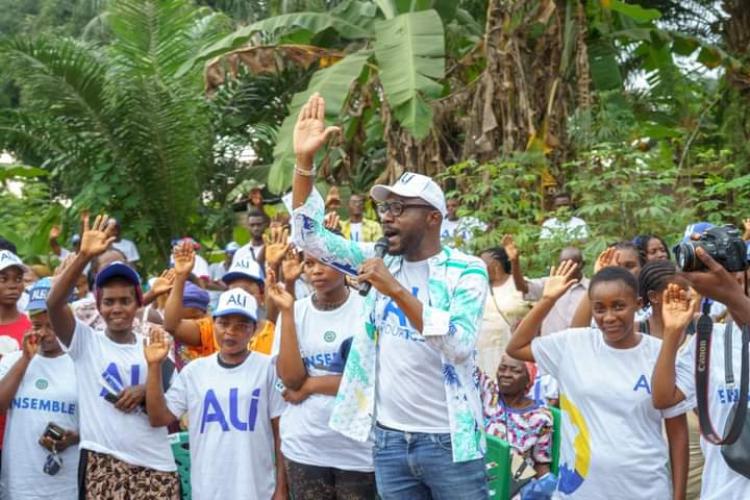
(674, 375)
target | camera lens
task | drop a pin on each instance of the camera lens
(685, 255)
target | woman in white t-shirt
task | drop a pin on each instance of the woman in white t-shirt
(612, 444)
(315, 334)
(674, 382)
(38, 389)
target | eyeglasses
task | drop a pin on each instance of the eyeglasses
(396, 208)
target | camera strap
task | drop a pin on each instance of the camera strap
(702, 370)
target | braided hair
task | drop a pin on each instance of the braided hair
(654, 277)
(500, 255)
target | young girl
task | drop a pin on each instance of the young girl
(612, 435)
(651, 248)
(315, 333)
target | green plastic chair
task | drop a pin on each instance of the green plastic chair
(498, 462)
(556, 438)
(181, 452)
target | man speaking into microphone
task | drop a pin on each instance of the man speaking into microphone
(408, 380)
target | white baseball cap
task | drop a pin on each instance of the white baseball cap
(237, 301)
(412, 185)
(244, 268)
(9, 259)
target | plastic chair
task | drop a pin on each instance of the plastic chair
(181, 451)
(497, 461)
(556, 438)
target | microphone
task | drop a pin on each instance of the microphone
(381, 247)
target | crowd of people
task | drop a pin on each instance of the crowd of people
(363, 359)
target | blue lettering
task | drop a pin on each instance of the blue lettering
(15, 403)
(212, 412)
(34, 402)
(233, 413)
(25, 403)
(642, 383)
(72, 409)
(45, 404)
(253, 410)
(392, 308)
(56, 406)
(722, 398)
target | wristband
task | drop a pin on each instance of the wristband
(303, 172)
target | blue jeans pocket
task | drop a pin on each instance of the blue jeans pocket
(444, 442)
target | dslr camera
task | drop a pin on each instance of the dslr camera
(724, 244)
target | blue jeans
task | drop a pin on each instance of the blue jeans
(416, 466)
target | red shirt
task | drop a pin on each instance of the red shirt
(15, 330)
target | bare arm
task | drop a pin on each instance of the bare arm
(582, 316)
(559, 281)
(11, 381)
(677, 312)
(155, 351)
(60, 314)
(515, 264)
(282, 490)
(289, 366)
(327, 385)
(184, 330)
(679, 454)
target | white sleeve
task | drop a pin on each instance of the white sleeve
(548, 352)
(7, 362)
(276, 403)
(200, 269)
(276, 338)
(685, 372)
(80, 342)
(536, 289)
(176, 396)
(134, 255)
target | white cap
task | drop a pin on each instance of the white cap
(9, 259)
(412, 185)
(246, 267)
(237, 301)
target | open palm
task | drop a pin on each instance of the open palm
(184, 258)
(677, 308)
(560, 280)
(310, 132)
(157, 347)
(97, 238)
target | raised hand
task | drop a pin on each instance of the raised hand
(607, 258)
(184, 259)
(310, 132)
(332, 221)
(276, 246)
(97, 238)
(678, 309)
(30, 345)
(560, 280)
(277, 293)
(157, 347)
(510, 247)
(291, 267)
(164, 283)
(54, 233)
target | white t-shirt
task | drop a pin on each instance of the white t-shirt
(612, 442)
(216, 271)
(99, 363)
(128, 248)
(355, 231)
(306, 437)
(463, 227)
(719, 481)
(247, 251)
(47, 394)
(410, 392)
(574, 228)
(229, 413)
